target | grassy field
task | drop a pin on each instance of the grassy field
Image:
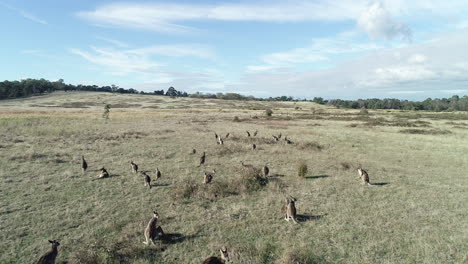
(417, 211)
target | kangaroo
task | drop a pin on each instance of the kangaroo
(208, 177)
(215, 260)
(158, 173)
(289, 210)
(266, 171)
(134, 167)
(248, 133)
(194, 151)
(50, 256)
(103, 174)
(276, 138)
(364, 176)
(84, 164)
(255, 133)
(152, 230)
(202, 159)
(254, 146)
(147, 179)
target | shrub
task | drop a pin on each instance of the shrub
(363, 111)
(302, 169)
(236, 119)
(268, 112)
(186, 189)
(105, 115)
(250, 180)
(310, 146)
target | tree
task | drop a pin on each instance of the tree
(171, 92)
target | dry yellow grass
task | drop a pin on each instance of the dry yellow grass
(415, 214)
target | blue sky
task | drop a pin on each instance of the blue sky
(333, 49)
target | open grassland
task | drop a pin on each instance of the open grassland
(417, 211)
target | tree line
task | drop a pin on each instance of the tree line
(454, 103)
(28, 87)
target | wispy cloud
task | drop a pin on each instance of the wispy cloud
(113, 42)
(25, 14)
(142, 60)
(166, 17)
(379, 19)
(320, 50)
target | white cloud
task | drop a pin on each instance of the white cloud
(421, 70)
(379, 23)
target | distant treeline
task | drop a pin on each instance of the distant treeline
(28, 87)
(454, 103)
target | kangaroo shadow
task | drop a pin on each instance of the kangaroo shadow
(317, 177)
(304, 218)
(159, 185)
(380, 183)
(276, 175)
(174, 238)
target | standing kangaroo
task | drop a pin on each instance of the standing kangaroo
(50, 256)
(134, 167)
(84, 164)
(202, 159)
(152, 230)
(289, 210)
(364, 176)
(147, 179)
(158, 173)
(266, 171)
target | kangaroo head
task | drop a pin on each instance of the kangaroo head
(54, 243)
(224, 254)
(155, 214)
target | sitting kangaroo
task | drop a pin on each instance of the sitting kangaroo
(215, 260)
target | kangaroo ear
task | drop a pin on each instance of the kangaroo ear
(50, 241)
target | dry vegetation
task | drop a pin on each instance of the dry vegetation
(415, 213)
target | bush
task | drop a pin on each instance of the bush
(236, 119)
(302, 169)
(363, 111)
(268, 112)
(250, 180)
